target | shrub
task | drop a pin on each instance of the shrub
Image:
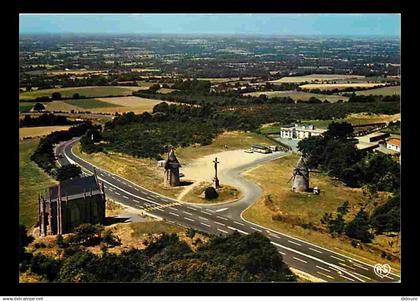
(210, 193)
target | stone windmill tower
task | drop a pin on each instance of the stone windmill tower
(300, 177)
(171, 174)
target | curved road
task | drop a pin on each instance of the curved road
(312, 259)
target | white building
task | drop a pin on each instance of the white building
(299, 132)
(394, 144)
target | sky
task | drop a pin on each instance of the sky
(261, 24)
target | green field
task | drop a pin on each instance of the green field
(25, 107)
(393, 90)
(32, 181)
(299, 95)
(94, 91)
(90, 103)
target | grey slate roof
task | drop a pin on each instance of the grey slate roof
(75, 186)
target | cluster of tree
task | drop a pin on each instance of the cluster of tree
(192, 86)
(210, 193)
(68, 171)
(374, 98)
(386, 218)
(45, 120)
(231, 258)
(43, 155)
(88, 140)
(335, 152)
(358, 228)
(393, 128)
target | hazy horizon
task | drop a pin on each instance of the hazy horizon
(382, 25)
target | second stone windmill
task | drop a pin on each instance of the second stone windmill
(300, 177)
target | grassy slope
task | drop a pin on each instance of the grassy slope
(309, 208)
(143, 172)
(32, 181)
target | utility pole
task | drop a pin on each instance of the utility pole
(216, 179)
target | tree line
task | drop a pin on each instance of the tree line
(44, 156)
(45, 120)
(230, 258)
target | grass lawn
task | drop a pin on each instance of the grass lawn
(233, 140)
(298, 209)
(226, 193)
(39, 131)
(32, 181)
(93, 91)
(89, 103)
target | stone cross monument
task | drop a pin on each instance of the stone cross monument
(216, 179)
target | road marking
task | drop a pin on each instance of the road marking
(323, 268)
(291, 241)
(282, 253)
(337, 258)
(136, 201)
(206, 213)
(173, 214)
(191, 208)
(136, 189)
(272, 234)
(186, 212)
(315, 250)
(255, 229)
(221, 217)
(347, 266)
(205, 225)
(360, 266)
(172, 208)
(309, 243)
(126, 197)
(160, 209)
(337, 268)
(238, 223)
(300, 260)
(345, 277)
(325, 275)
(117, 193)
(240, 231)
(220, 210)
(189, 219)
(206, 219)
(222, 230)
(362, 276)
(220, 224)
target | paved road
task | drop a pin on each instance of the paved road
(315, 260)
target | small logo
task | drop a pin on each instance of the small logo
(382, 270)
